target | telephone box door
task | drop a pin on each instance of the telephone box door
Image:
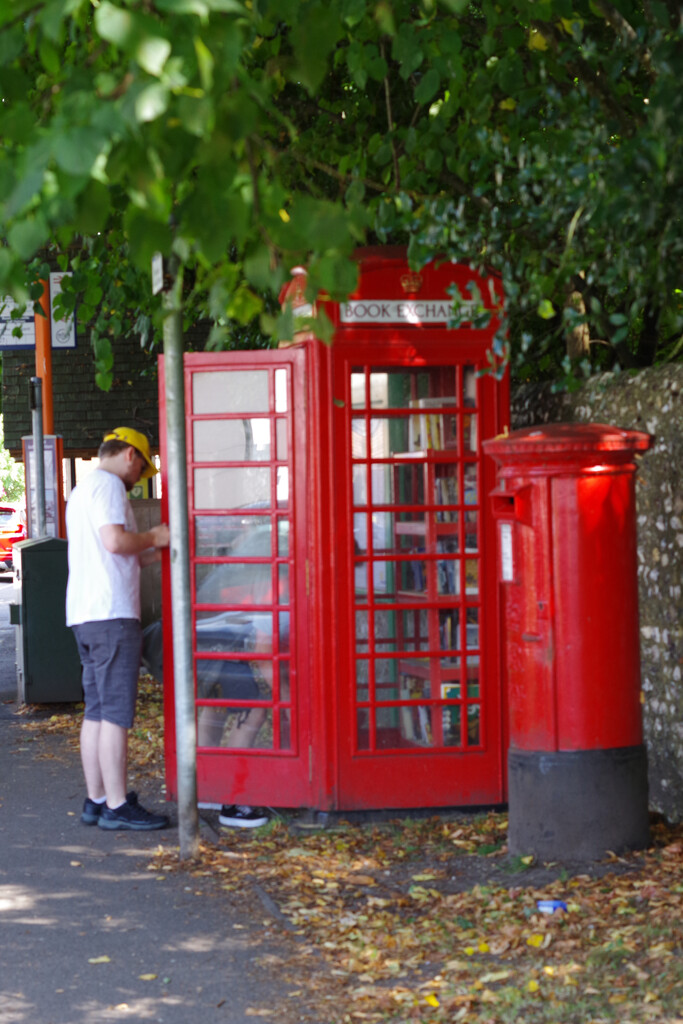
(246, 459)
(421, 716)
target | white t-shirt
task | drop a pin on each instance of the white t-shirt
(101, 585)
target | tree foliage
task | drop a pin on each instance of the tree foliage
(12, 482)
(537, 139)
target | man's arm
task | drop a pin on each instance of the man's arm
(120, 541)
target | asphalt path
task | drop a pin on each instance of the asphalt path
(8, 671)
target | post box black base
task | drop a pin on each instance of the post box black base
(577, 805)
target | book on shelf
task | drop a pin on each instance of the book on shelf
(431, 431)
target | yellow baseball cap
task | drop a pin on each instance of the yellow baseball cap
(130, 436)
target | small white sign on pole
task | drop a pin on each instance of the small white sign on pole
(7, 325)
(63, 332)
(157, 273)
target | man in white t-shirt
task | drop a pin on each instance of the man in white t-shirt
(103, 608)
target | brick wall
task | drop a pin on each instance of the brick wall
(83, 413)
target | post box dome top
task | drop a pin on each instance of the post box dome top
(563, 439)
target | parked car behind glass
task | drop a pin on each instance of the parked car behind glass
(12, 529)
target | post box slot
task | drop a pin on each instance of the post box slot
(512, 504)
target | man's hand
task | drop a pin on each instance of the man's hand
(161, 535)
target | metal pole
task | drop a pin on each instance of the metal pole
(36, 407)
(44, 357)
(186, 730)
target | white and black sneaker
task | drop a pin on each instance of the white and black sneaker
(242, 816)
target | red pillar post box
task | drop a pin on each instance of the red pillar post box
(565, 508)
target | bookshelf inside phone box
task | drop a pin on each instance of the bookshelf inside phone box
(380, 682)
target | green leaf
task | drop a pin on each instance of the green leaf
(456, 6)
(151, 102)
(115, 25)
(428, 86)
(145, 237)
(27, 236)
(77, 149)
(92, 208)
(244, 305)
(50, 58)
(205, 63)
(152, 53)
(545, 309)
(313, 39)
(11, 44)
(104, 355)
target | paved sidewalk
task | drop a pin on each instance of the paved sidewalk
(69, 894)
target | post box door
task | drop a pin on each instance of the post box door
(420, 711)
(247, 523)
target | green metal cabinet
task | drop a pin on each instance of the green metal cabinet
(48, 666)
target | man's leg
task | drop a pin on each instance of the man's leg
(90, 759)
(113, 757)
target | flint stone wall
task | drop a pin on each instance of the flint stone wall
(651, 400)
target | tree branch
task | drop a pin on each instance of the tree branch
(580, 67)
(618, 22)
(390, 122)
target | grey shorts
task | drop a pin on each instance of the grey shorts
(110, 655)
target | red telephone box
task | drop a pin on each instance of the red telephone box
(345, 603)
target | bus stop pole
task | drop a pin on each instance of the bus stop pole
(181, 610)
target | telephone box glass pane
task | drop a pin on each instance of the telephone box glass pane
(234, 583)
(218, 536)
(469, 387)
(362, 679)
(473, 677)
(452, 725)
(470, 432)
(281, 399)
(446, 490)
(285, 685)
(471, 531)
(449, 630)
(473, 725)
(283, 487)
(245, 440)
(360, 485)
(235, 727)
(282, 440)
(231, 487)
(285, 729)
(472, 576)
(472, 628)
(358, 391)
(471, 489)
(234, 391)
(283, 538)
(283, 632)
(363, 729)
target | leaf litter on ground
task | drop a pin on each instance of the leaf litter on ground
(431, 920)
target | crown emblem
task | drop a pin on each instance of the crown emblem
(411, 282)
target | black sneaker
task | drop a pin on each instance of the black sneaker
(131, 816)
(92, 810)
(241, 816)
